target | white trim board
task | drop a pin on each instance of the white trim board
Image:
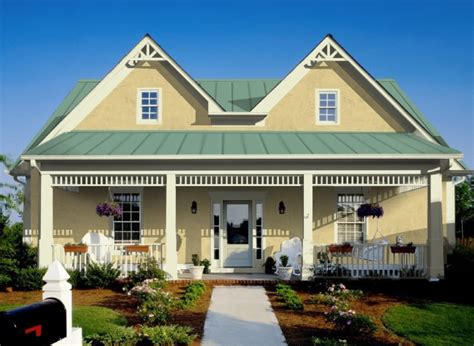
(315, 56)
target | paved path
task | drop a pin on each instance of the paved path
(240, 315)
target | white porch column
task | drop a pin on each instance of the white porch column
(435, 227)
(45, 243)
(171, 257)
(450, 213)
(307, 227)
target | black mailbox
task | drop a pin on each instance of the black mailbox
(41, 323)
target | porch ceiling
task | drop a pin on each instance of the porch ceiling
(231, 144)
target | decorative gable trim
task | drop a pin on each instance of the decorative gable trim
(146, 50)
(330, 50)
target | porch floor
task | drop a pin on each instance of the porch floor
(232, 277)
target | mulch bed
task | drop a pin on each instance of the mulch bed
(299, 327)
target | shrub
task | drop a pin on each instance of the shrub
(155, 304)
(206, 263)
(284, 260)
(77, 278)
(100, 275)
(156, 310)
(289, 296)
(119, 336)
(29, 279)
(269, 265)
(192, 294)
(147, 270)
(5, 281)
(168, 335)
(329, 342)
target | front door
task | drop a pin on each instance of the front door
(237, 235)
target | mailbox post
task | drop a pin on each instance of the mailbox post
(48, 322)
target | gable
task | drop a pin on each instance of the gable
(357, 109)
(180, 106)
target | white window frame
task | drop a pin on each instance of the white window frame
(338, 107)
(125, 190)
(336, 224)
(142, 121)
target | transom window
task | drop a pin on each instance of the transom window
(127, 227)
(327, 107)
(350, 227)
(149, 105)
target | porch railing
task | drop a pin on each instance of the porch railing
(371, 261)
(123, 256)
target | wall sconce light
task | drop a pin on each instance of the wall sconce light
(281, 207)
(194, 207)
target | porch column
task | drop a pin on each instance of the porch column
(171, 256)
(307, 227)
(45, 242)
(435, 227)
(450, 214)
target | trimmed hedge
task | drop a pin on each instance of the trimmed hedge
(192, 294)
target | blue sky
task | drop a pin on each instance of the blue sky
(46, 46)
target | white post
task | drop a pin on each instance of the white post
(435, 227)
(57, 287)
(450, 213)
(171, 257)
(45, 244)
(308, 247)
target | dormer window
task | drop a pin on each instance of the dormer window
(149, 106)
(327, 111)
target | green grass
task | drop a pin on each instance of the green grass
(92, 319)
(433, 324)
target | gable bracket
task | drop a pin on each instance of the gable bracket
(327, 52)
(146, 53)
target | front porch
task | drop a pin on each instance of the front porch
(176, 226)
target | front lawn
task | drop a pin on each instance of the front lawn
(92, 319)
(432, 324)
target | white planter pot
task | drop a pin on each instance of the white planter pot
(285, 272)
(196, 272)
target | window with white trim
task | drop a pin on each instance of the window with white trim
(350, 227)
(149, 105)
(327, 112)
(216, 225)
(127, 227)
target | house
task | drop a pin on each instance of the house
(230, 169)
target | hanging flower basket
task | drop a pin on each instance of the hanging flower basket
(137, 248)
(341, 248)
(367, 209)
(109, 209)
(403, 249)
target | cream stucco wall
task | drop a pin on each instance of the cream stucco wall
(183, 109)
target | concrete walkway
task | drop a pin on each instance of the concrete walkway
(241, 315)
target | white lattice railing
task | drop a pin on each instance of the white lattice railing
(371, 261)
(108, 180)
(369, 180)
(120, 255)
(239, 180)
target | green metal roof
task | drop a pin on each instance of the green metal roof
(157, 143)
(238, 95)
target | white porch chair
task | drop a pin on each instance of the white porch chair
(293, 249)
(374, 251)
(100, 246)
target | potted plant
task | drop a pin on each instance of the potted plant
(341, 248)
(269, 265)
(137, 248)
(197, 269)
(109, 209)
(367, 209)
(399, 248)
(284, 271)
(206, 264)
(75, 247)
